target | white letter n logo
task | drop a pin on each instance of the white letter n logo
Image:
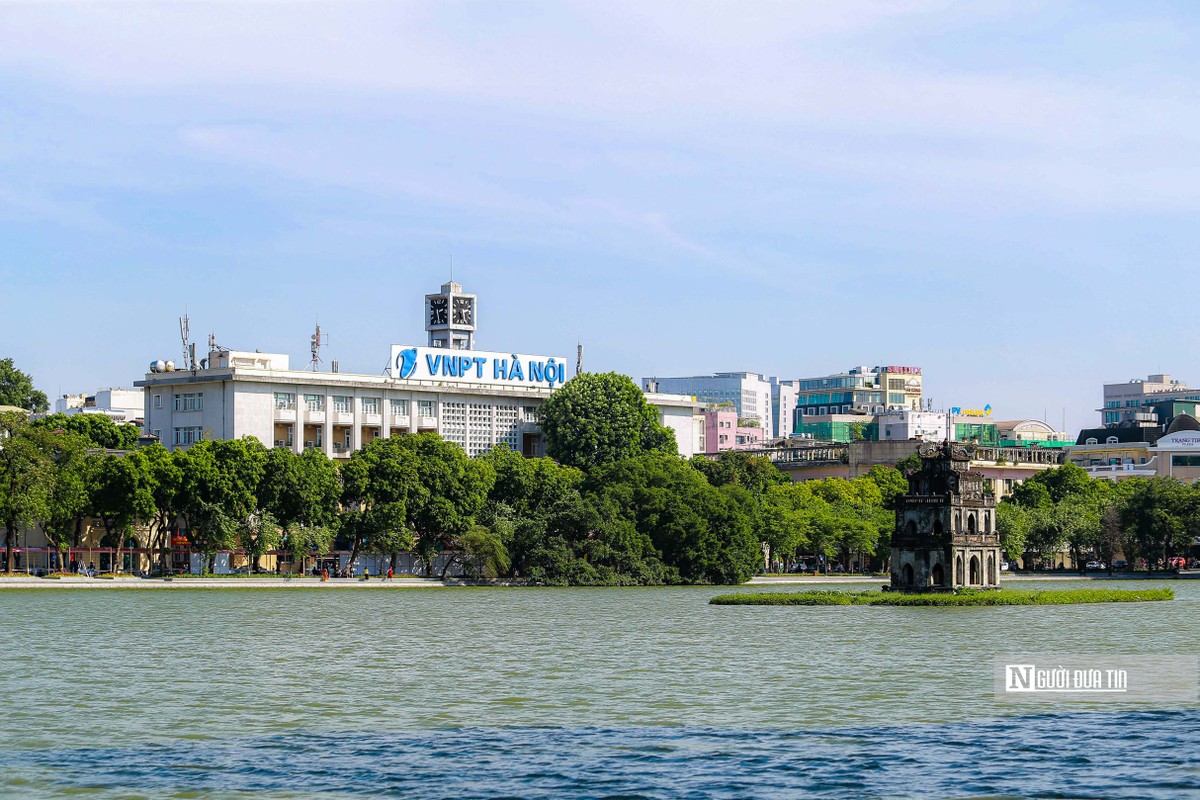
(1020, 678)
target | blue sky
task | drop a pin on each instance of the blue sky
(1002, 193)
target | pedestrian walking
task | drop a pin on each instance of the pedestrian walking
(390, 573)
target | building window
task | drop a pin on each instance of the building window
(425, 408)
(370, 405)
(1111, 440)
(157, 433)
(190, 435)
(285, 401)
(1091, 440)
(341, 404)
(314, 402)
(399, 408)
(189, 401)
(158, 401)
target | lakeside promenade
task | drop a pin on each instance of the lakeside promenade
(408, 582)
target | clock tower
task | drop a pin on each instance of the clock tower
(450, 318)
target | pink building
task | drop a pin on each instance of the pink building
(721, 432)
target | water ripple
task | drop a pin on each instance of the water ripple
(1144, 754)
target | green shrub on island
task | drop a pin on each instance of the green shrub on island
(968, 597)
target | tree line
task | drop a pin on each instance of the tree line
(1065, 510)
(612, 503)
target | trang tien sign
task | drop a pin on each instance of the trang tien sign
(476, 367)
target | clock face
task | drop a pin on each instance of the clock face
(437, 311)
(464, 314)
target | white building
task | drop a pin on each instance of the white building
(119, 405)
(904, 424)
(1129, 402)
(750, 393)
(783, 405)
(236, 394)
(473, 398)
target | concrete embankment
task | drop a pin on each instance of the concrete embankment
(215, 583)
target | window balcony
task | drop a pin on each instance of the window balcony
(285, 415)
(316, 417)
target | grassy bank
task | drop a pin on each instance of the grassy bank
(1001, 597)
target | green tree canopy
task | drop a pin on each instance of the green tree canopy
(379, 483)
(597, 419)
(16, 389)
(703, 534)
(98, 429)
(755, 473)
(455, 489)
(26, 478)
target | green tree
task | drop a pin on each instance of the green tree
(1013, 523)
(301, 492)
(1158, 518)
(121, 495)
(69, 499)
(16, 389)
(485, 555)
(26, 475)
(97, 429)
(219, 482)
(755, 473)
(704, 535)
(164, 478)
(597, 419)
(891, 482)
(909, 465)
(258, 535)
(455, 491)
(378, 484)
(785, 520)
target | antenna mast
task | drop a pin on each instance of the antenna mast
(189, 349)
(578, 359)
(315, 342)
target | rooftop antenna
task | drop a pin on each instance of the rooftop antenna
(189, 349)
(578, 358)
(315, 342)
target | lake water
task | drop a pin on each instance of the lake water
(566, 692)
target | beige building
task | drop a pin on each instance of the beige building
(1175, 454)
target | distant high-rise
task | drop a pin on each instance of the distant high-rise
(747, 392)
(869, 390)
(1130, 402)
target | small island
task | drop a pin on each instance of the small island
(962, 597)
